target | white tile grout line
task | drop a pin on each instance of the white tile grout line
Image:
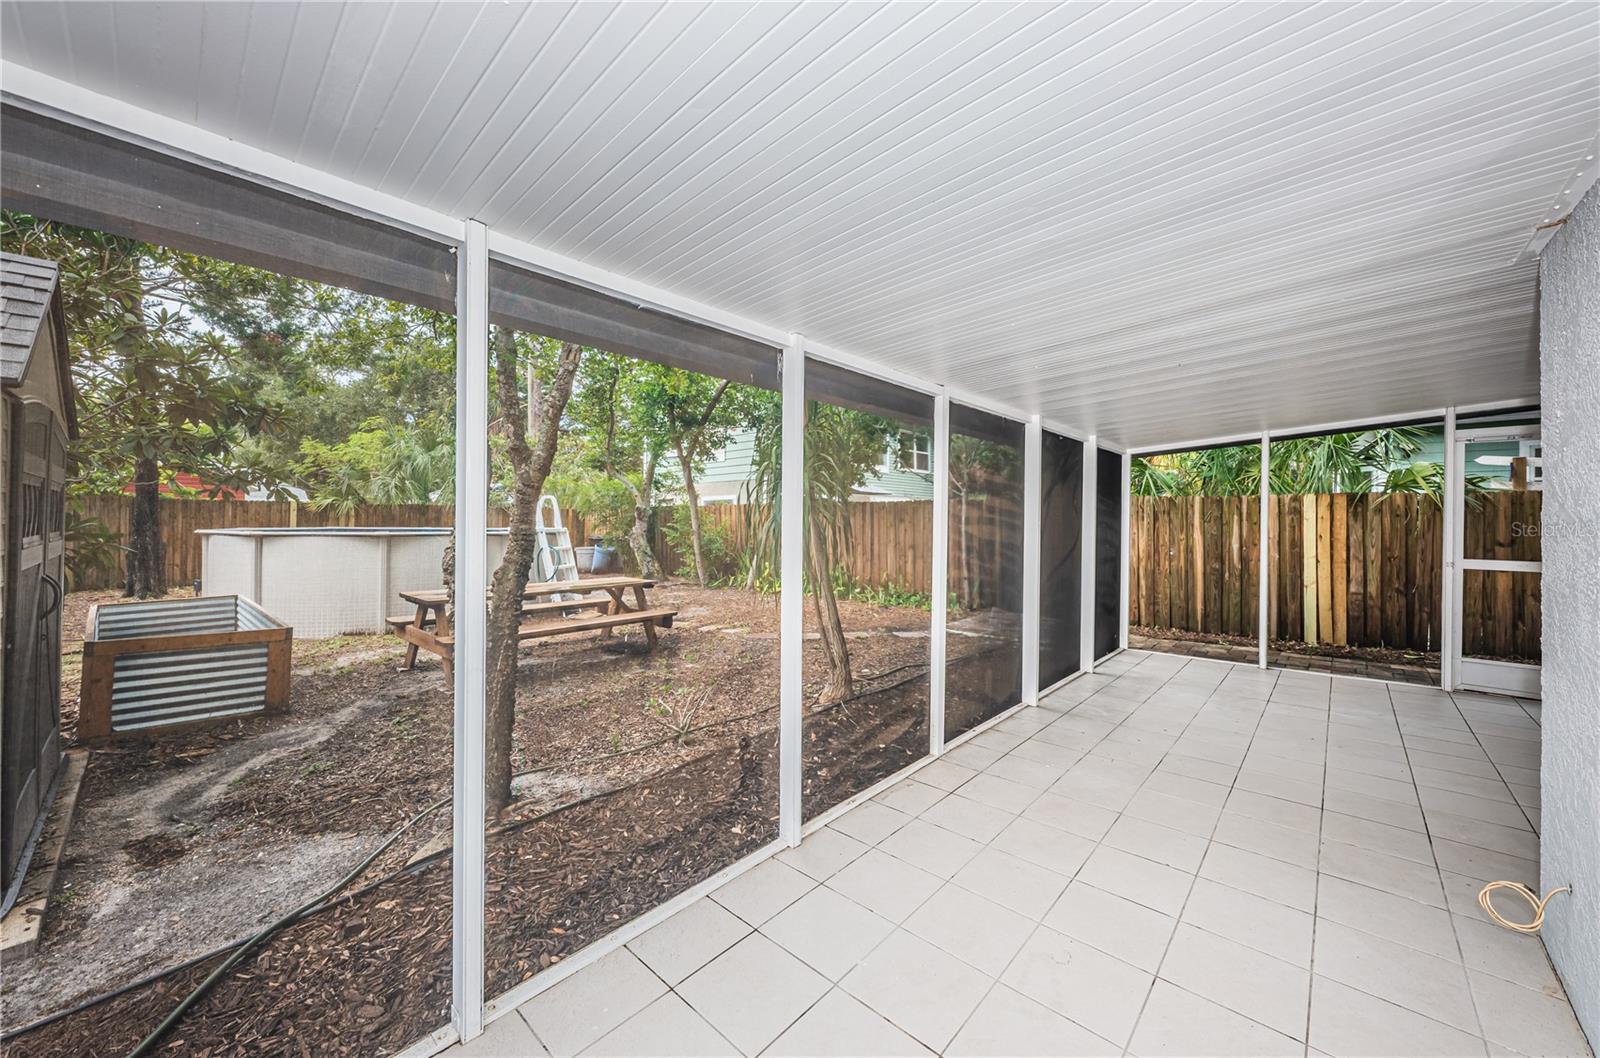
(513, 998)
(1478, 741)
(1438, 870)
(1177, 920)
(1039, 924)
(1136, 706)
(1316, 889)
(899, 925)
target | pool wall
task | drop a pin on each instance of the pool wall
(328, 582)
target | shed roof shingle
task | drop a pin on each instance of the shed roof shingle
(26, 284)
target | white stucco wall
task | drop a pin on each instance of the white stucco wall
(1569, 386)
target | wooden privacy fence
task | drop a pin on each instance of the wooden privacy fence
(1343, 569)
(891, 543)
(180, 518)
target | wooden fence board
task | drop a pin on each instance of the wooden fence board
(1197, 558)
(1357, 569)
(1339, 550)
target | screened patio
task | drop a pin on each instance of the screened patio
(1029, 244)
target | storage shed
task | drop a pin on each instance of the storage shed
(36, 421)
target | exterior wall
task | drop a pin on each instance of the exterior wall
(1569, 386)
(725, 474)
(5, 521)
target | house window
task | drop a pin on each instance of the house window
(1532, 454)
(921, 453)
(918, 449)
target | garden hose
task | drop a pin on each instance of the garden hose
(242, 948)
(1538, 905)
(145, 1045)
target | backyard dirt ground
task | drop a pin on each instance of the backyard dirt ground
(642, 774)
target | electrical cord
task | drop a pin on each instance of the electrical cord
(1485, 901)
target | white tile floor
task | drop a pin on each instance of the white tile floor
(1170, 857)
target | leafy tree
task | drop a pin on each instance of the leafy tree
(976, 466)
(843, 448)
(156, 393)
(382, 462)
(531, 433)
(616, 403)
(699, 414)
(1361, 461)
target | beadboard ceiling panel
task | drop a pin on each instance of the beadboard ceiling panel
(1157, 222)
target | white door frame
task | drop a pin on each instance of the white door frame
(1480, 674)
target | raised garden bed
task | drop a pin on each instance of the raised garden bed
(169, 662)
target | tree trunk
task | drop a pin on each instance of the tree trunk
(147, 565)
(966, 557)
(639, 533)
(839, 685)
(530, 466)
(693, 496)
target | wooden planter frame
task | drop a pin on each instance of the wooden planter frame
(179, 657)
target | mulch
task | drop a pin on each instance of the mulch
(1381, 655)
(370, 974)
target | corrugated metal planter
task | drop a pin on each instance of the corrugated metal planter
(152, 665)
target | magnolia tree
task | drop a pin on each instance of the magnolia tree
(157, 392)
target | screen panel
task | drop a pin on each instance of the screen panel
(983, 666)
(1107, 552)
(869, 581)
(1060, 557)
(637, 754)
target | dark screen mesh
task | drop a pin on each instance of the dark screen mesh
(1060, 557)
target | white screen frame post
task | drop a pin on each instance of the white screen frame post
(791, 598)
(471, 617)
(1263, 560)
(1086, 545)
(941, 572)
(1447, 581)
(1125, 602)
(1032, 531)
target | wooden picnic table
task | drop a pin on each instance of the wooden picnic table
(429, 628)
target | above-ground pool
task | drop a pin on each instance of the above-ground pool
(330, 581)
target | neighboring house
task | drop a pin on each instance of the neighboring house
(1491, 461)
(184, 483)
(726, 474)
(37, 420)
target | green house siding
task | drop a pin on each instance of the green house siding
(1432, 451)
(725, 474)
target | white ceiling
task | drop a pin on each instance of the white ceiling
(1158, 222)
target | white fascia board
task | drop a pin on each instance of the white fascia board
(1572, 191)
(1332, 427)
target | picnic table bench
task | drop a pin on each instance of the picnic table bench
(429, 627)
